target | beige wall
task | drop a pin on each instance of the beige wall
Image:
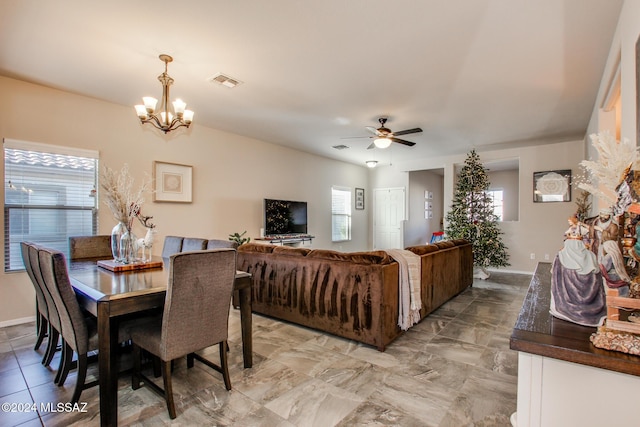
(231, 174)
(508, 182)
(419, 229)
(622, 51)
(541, 226)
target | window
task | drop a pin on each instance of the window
(50, 194)
(498, 203)
(340, 214)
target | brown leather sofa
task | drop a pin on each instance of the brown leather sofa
(351, 295)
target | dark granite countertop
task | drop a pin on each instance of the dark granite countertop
(537, 332)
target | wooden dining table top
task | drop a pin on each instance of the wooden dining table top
(100, 283)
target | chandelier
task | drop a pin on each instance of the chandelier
(163, 119)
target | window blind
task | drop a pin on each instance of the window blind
(50, 195)
(340, 214)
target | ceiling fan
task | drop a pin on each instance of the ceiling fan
(384, 136)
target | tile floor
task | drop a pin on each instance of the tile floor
(453, 369)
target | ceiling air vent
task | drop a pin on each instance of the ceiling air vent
(340, 147)
(225, 80)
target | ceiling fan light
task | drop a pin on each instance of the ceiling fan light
(382, 142)
(371, 163)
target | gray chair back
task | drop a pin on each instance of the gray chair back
(90, 247)
(56, 277)
(193, 244)
(40, 299)
(196, 310)
(172, 245)
(52, 309)
(217, 244)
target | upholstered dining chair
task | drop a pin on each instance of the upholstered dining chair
(75, 331)
(54, 318)
(42, 313)
(172, 245)
(90, 247)
(193, 244)
(78, 333)
(217, 244)
(195, 316)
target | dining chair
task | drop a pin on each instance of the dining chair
(193, 244)
(79, 333)
(90, 247)
(195, 316)
(54, 318)
(172, 245)
(217, 244)
(42, 313)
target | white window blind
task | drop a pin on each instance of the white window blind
(50, 194)
(340, 214)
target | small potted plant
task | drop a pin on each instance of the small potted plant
(239, 238)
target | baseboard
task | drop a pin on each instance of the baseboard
(503, 270)
(19, 321)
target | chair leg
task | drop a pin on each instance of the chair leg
(51, 346)
(168, 388)
(224, 366)
(65, 364)
(190, 359)
(135, 375)
(82, 375)
(157, 369)
(43, 325)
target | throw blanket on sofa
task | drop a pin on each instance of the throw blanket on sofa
(408, 287)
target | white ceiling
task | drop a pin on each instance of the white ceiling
(470, 73)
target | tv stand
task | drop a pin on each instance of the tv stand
(288, 239)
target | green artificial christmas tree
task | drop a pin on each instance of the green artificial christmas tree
(471, 217)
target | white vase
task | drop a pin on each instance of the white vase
(128, 251)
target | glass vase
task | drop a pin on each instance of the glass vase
(128, 252)
(116, 235)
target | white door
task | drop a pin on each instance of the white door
(388, 218)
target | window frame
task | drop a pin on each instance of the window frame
(51, 199)
(346, 214)
(491, 193)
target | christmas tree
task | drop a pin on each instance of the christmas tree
(471, 216)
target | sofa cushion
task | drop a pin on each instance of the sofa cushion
(256, 247)
(423, 249)
(289, 251)
(459, 242)
(368, 258)
(445, 244)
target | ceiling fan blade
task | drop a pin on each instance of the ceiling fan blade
(373, 130)
(407, 131)
(372, 146)
(402, 141)
(356, 137)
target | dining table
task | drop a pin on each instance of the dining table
(113, 295)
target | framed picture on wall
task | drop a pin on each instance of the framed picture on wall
(552, 186)
(359, 199)
(172, 182)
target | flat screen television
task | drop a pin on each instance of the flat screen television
(284, 217)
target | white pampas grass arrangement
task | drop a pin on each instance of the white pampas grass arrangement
(603, 176)
(119, 195)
